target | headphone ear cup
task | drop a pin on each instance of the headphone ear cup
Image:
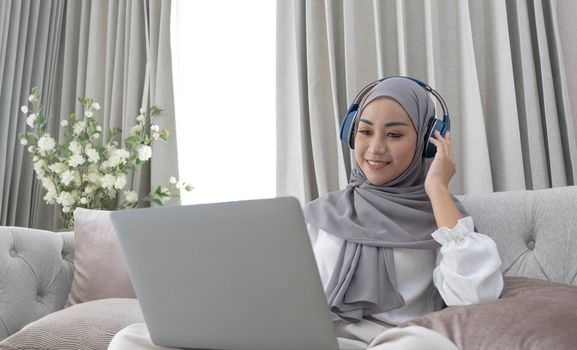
(348, 125)
(434, 125)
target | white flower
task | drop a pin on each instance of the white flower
(64, 123)
(140, 118)
(67, 177)
(88, 114)
(79, 127)
(30, 120)
(110, 148)
(131, 196)
(180, 185)
(58, 168)
(83, 200)
(35, 159)
(50, 197)
(142, 111)
(96, 105)
(66, 199)
(120, 182)
(135, 130)
(76, 159)
(107, 181)
(46, 143)
(31, 149)
(172, 180)
(24, 109)
(75, 147)
(105, 165)
(23, 141)
(92, 155)
(96, 136)
(154, 128)
(155, 136)
(88, 189)
(144, 153)
(118, 156)
(98, 128)
(32, 98)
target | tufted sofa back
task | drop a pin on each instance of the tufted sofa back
(35, 275)
(535, 231)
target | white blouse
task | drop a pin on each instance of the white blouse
(465, 270)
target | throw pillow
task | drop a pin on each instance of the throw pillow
(84, 326)
(531, 314)
(99, 268)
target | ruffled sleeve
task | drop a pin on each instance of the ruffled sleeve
(468, 265)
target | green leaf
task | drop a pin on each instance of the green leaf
(157, 201)
(154, 111)
(36, 91)
(133, 140)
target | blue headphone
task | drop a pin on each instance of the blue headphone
(349, 123)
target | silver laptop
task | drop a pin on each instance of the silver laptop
(236, 275)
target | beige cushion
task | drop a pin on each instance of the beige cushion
(84, 326)
(531, 314)
(99, 268)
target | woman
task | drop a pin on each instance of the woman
(380, 256)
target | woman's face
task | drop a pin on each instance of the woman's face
(385, 142)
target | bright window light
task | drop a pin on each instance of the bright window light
(223, 56)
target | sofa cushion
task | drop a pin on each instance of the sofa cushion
(85, 326)
(531, 314)
(99, 268)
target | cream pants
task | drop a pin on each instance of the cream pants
(367, 334)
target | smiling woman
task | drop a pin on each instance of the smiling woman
(224, 81)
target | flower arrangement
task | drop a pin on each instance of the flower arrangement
(90, 169)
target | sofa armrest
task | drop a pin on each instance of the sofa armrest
(36, 269)
(535, 231)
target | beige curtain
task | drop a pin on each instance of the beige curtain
(499, 66)
(117, 52)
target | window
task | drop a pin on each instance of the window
(224, 80)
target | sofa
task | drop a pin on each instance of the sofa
(535, 232)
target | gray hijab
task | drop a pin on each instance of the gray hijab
(374, 219)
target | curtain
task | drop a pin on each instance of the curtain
(117, 52)
(499, 66)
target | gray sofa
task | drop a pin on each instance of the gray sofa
(535, 231)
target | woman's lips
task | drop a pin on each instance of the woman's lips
(376, 164)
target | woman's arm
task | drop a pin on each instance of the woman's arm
(468, 265)
(446, 212)
(437, 182)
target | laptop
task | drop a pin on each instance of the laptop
(235, 275)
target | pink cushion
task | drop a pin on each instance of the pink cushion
(99, 268)
(531, 314)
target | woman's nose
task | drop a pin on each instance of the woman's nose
(377, 146)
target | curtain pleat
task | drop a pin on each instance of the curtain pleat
(498, 65)
(117, 52)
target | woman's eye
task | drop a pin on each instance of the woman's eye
(365, 132)
(394, 135)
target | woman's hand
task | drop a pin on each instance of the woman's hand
(437, 183)
(443, 167)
